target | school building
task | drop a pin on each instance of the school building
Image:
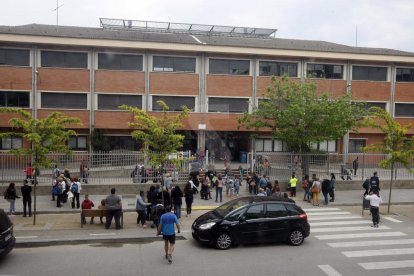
(218, 72)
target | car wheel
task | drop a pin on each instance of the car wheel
(224, 241)
(296, 237)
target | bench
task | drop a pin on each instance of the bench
(87, 213)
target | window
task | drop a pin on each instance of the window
(174, 103)
(368, 105)
(255, 212)
(405, 74)
(326, 146)
(356, 145)
(14, 99)
(119, 62)
(15, 57)
(235, 216)
(64, 100)
(64, 59)
(77, 142)
(229, 67)
(276, 210)
(270, 145)
(369, 73)
(278, 69)
(174, 64)
(11, 143)
(404, 110)
(324, 71)
(113, 101)
(228, 105)
(123, 143)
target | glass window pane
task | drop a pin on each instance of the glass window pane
(14, 99)
(268, 145)
(323, 146)
(219, 66)
(275, 210)
(405, 75)
(184, 64)
(64, 100)
(259, 144)
(72, 142)
(404, 110)
(64, 59)
(277, 145)
(332, 146)
(369, 73)
(17, 142)
(255, 212)
(239, 67)
(174, 103)
(15, 57)
(228, 105)
(6, 143)
(356, 145)
(113, 101)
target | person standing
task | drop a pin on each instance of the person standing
(177, 201)
(83, 172)
(141, 207)
(28, 171)
(166, 228)
(27, 198)
(75, 188)
(326, 187)
(355, 165)
(10, 195)
(188, 194)
(374, 202)
(219, 188)
(374, 183)
(113, 209)
(306, 187)
(315, 189)
(293, 182)
(332, 191)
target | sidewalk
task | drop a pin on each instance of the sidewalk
(57, 226)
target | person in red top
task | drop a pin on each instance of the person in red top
(87, 204)
(28, 171)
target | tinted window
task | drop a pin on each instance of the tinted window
(11, 143)
(14, 99)
(228, 105)
(174, 64)
(276, 210)
(255, 212)
(64, 59)
(229, 67)
(229, 206)
(369, 73)
(112, 102)
(77, 142)
(368, 105)
(14, 57)
(64, 100)
(405, 75)
(356, 145)
(119, 62)
(123, 142)
(278, 69)
(293, 210)
(324, 71)
(174, 103)
(235, 216)
(404, 110)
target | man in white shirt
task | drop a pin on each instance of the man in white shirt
(374, 202)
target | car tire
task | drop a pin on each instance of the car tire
(223, 241)
(296, 237)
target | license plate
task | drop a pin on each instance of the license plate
(8, 237)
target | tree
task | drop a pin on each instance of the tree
(99, 141)
(44, 135)
(396, 146)
(294, 113)
(158, 134)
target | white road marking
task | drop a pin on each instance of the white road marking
(343, 229)
(334, 218)
(360, 235)
(380, 252)
(370, 243)
(392, 219)
(387, 265)
(105, 234)
(329, 270)
(404, 275)
(27, 237)
(328, 213)
(320, 209)
(331, 223)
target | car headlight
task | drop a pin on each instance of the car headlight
(206, 226)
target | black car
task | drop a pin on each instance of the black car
(7, 239)
(252, 219)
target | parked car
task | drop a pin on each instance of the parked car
(252, 219)
(7, 239)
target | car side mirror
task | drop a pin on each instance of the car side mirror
(242, 218)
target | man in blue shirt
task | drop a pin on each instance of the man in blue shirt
(166, 227)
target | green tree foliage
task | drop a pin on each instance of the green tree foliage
(293, 112)
(44, 135)
(158, 133)
(397, 146)
(99, 141)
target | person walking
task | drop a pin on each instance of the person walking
(355, 165)
(166, 228)
(141, 207)
(113, 209)
(188, 194)
(293, 182)
(326, 187)
(27, 198)
(332, 191)
(10, 195)
(374, 202)
(374, 183)
(177, 200)
(365, 185)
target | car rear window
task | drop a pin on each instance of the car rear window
(294, 210)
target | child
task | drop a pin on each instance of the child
(87, 204)
(102, 207)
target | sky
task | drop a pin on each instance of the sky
(365, 23)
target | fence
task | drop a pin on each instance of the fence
(102, 167)
(351, 166)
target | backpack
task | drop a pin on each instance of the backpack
(74, 188)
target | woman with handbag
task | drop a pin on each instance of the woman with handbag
(315, 189)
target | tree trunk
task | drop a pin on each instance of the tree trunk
(389, 196)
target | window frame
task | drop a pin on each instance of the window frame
(120, 54)
(369, 66)
(357, 139)
(77, 148)
(249, 73)
(64, 51)
(96, 107)
(60, 92)
(405, 68)
(152, 103)
(174, 57)
(18, 49)
(343, 70)
(16, 91)
(289, 63)
(274, 142)
(406, 103)
(248, 99)
(11, 138)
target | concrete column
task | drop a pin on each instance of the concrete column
(34, 81)
(392, 89)
(92, 95)
(345, 145)
(145, 102)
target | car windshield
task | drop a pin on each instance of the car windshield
(227, 207)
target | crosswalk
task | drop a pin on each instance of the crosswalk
(382, 250)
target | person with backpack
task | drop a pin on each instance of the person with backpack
(326, 188)
(57, 191)
(374, 183)
(75, 188)
(365, 185)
